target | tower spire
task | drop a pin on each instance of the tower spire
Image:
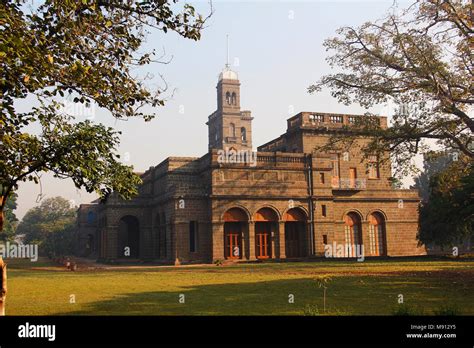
(227, 64)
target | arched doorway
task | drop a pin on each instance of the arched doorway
(129, 237)
(352, 233)
(295, 233)
(377, 235)
(235, 220)
(266, 221)
(90, 246)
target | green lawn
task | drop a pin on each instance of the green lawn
(371, 287)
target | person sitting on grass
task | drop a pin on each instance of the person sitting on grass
(3, 286)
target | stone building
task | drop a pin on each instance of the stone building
(285, 201)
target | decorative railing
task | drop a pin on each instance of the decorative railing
(348, 183)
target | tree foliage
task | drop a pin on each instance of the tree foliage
(11, 221)
(50, 225)
(447, 213)
(85, 51)
(420, 59)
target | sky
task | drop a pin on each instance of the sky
(276, 47)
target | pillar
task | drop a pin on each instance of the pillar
(274, 240)
(251, 234)
(217, 230)
(281, 239)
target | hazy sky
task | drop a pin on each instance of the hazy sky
(276, 48)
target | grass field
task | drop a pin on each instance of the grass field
(429, 287)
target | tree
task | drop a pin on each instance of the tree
(83, 51)
(50, 225)
(323, 282)
(447, 216)
(11, 220)
(434, 163)
(422, 60)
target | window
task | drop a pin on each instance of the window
(335, 165)
(352, 177)
(90, 217)
(243, 132)
(234, 99)
(227, 98)
(193, 237)
(323, 210)
(352, 119)
(373, 167)
(335, 182)
(321, 178)
(232, 130)
(325, 239)
(335, 119)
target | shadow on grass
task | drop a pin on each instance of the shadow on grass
(367, 295)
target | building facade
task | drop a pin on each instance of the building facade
(287, 200)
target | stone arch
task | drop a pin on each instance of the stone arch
(298, 207)
(354, 211)
(129, 237)
(352, 232)
(236, 220)
(377, 211)
(237, 207)
(296, 232)
(269, 207)
(377, 234)
(266, 231)
(295, 214)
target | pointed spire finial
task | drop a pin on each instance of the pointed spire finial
(227, 64)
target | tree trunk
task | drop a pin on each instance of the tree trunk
(1, 214)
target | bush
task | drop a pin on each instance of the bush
(447, 310)
(407, 310)
(313, 310)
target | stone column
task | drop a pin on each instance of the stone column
(251, 254)
(111, 251)
(274, 240)
(146, 243)
(217, 230)
(281, 239)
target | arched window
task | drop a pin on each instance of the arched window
(227, 98)
(377, 235)
(232, 130)
(234, 98)
(90, 217)
(243, 133)
(352, 233)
